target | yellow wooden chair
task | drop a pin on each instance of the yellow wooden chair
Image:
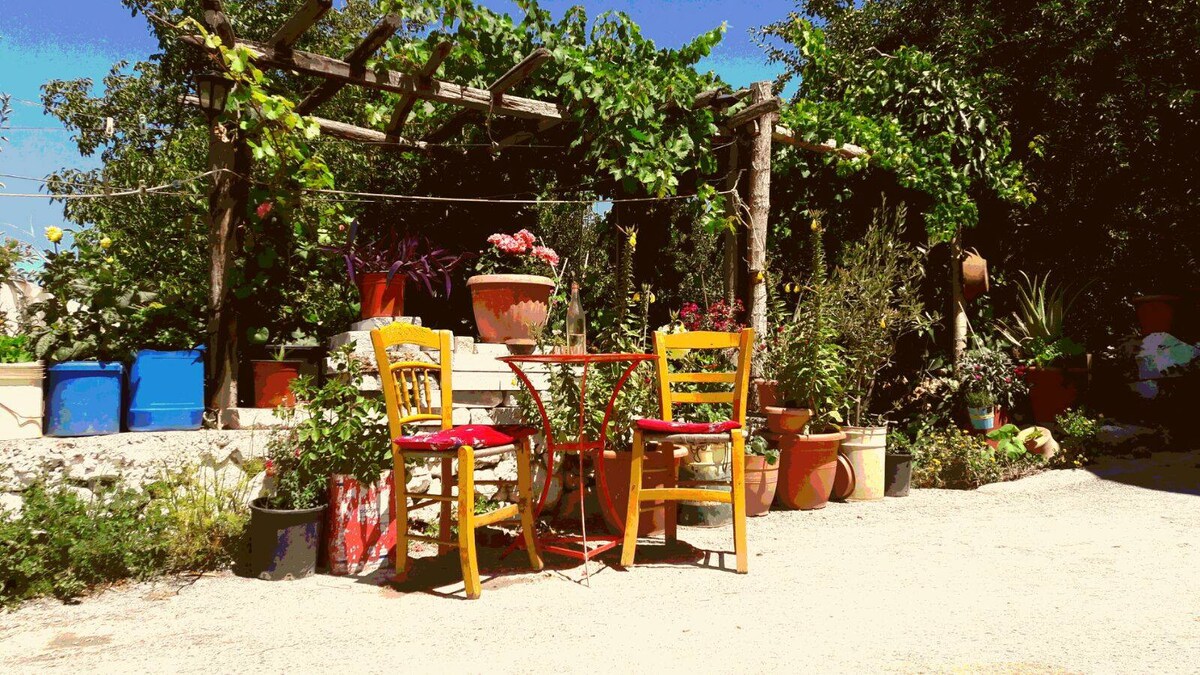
(668, 431)
(408, 389)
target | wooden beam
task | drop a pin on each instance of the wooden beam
(755, 110)
(783, 134)
(405, 105)
(760, 209)
(524, 68)
(356, 60)
(316, 65)
(348, 131)
(522, 136)
(304, 18)
(497, 89)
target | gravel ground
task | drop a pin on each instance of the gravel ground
(1066, 571)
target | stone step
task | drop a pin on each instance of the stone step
(369, 325)
(255, 418)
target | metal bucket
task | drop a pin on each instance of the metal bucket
(709, 462)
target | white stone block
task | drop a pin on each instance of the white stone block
(255, 418)
(369, 325)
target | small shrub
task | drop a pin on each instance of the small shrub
(1076, 438)
(207, 519)
(954, 459)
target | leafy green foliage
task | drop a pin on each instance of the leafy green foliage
(927, 124)
(206, 515)
(757, 445)
(1037, 327)
(334, 429)
(15, 349)
(1077, 434)
(956, 460)
(992, 371)
(876, 291)
(13, 252)
(1008, 441)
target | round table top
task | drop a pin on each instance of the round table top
(576, 358)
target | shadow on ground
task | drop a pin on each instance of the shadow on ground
(1165, 471)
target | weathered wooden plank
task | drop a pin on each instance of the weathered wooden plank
(783, 134)
(524, 68)
(357, 59)
(304, 18)
(452, 126)
(316, 65)
(523, 136)
(754, 111)
(405, 105)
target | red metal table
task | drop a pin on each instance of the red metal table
(581, 445)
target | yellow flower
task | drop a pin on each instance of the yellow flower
(883, 323)
(54, 234)
(105, 242)
(633, 240)
(759, 276)
(652, 298)
(637, 297)
(815, 225)
(110, 259)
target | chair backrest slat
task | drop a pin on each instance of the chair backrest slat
(666, 344)
(407, 387)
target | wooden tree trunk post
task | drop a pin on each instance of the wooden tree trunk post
(229, 156)
(958, 303)
(760, 206)
(732, 252)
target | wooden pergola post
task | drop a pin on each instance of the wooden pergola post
(229, 160)
(760, 207)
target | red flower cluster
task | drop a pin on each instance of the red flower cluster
(523, 243)
(720, 316)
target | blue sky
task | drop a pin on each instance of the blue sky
(41, 40)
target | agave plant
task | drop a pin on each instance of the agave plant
(1037, 327)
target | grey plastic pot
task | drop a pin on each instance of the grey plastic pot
(284, 543)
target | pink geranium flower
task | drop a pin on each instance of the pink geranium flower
(264, 209)
(544, 253)
(526, 237)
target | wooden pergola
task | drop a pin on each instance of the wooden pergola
(229, 156)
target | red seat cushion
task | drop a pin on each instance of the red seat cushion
(665, 427)
(474, 435)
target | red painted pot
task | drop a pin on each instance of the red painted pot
(1156, 313)
(379, 298)
(273, 383)
(510, 307)
(807, 467)
(360, 526)
(762, 479)
(658, 468)
(1051, 393)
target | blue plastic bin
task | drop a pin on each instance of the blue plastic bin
(83, 398)
(166, 391)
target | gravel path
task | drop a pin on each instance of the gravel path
(1060, 572)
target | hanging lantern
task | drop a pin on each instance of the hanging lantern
(212, 89)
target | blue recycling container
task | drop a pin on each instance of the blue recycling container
(166, 390)
(83, 398)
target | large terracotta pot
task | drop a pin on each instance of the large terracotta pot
(510, 307)
(767, 392)
(379, 298)
(762, 479)
(273, 383)
(787, 420)
(657, 469)
(1156, 313)
(1051, 393)
(807, 466)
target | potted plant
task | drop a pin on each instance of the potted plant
(897, 466)
(1156, 313)
(20, 389)
(808, 364)
(285, 525)
(876, 287)
(1037, 331)
(341, 435)
(166, 378)
(988, 369)
(981, 407)
(273, 380)
(762, 475)
(510, 294)
(382, 268)
(85, 324)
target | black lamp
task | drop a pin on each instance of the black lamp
(212, 89)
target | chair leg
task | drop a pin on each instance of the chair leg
(525, 501)
(446, 520)
(400, 498)
(671, 512)
(466, 521)
(634, 507)
(738, 469)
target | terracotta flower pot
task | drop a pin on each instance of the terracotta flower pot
(807, 466)
(1156, 313)
(843, 479)
(787, 420)
(768, 392)
(762, 479)
(273, 383)
(510, 307)
(1051, 393)
(975, 275)
(657, 469)
(379, 298)
(1043, 444)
